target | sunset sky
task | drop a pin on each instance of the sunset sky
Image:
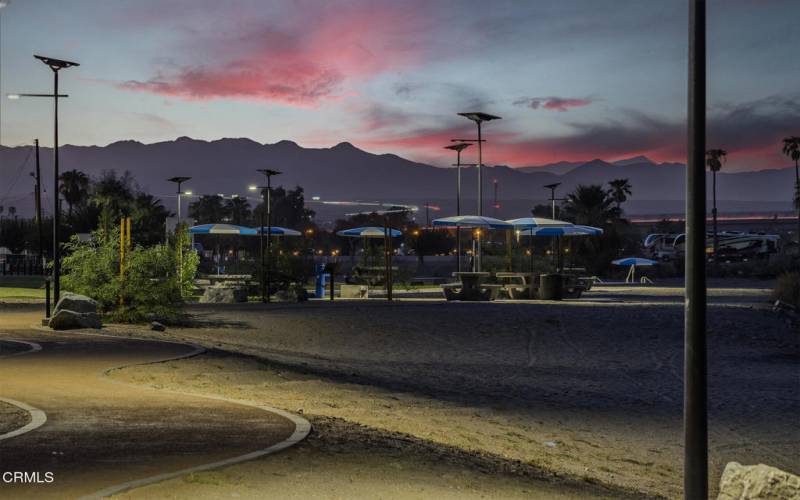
(573, 79)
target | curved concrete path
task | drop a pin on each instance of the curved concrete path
(102, 437)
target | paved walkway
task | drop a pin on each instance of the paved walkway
(100, 434)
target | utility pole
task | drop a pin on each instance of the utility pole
(695, 392)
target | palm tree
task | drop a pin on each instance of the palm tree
(791, 148)
(12, 212)
(208, 209)
(239, 209)
(715, 158)
(74, 188)
(590, 206)
(620, 190)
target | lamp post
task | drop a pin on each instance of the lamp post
(179, 181)
(695, 395)
(479, 118)
(55, 65)
(266, 192)
(553, 199)
(458, 148)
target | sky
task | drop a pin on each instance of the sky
(572, 80)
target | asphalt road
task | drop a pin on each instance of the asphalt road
(100, 433)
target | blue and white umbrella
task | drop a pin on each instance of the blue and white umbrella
(368, 232)
(634, 261)
(222, 229)
(472, 221)
(527, 223)
(570, 230)
(277, 231)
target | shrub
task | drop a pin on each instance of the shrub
(151, 285)
(787, 288)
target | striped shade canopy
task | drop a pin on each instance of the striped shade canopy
(368, 232)
(277, 231)
(222, 229)
(472, 221)
(534, 222)
(571, 230)
(634, 261)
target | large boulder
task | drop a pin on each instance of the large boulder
(740, 482)
(69, 320)
(222, 294)
(76, 303)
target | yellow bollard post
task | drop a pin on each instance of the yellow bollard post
(121, 257)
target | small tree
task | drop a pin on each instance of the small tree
(150, 286)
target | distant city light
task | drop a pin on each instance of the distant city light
(315, 198)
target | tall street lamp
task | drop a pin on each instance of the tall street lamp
(458, 148)
(479, 118)
(179, 181)
(557, 240)
(56, 65)
(266, 194)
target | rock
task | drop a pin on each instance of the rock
(76, 303)
(157, 327)
(221, 294)
(760, 481)
(69, 320)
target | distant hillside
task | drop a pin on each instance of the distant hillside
(344, 172)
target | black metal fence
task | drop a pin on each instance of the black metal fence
(29, 265)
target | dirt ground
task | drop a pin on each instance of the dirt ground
(588, 389)
(12, 418)
(341, 460)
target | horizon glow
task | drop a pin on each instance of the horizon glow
(573, 82)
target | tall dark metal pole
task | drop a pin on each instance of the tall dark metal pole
(56, 202)
(477, 261)
(458, 148)
(39, 222)
(261, 248)
(458, 209)
(269, 234)
(695, 418)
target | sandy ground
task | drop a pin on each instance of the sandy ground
(100, 433)
(341, 460)
(12, 418)
(588, 389)
(89, 445)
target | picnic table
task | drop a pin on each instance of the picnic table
(520, 285)
(471, 286)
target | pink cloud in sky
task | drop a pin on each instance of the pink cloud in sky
(299, 63)
(553, 103)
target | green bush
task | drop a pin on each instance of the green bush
(151, 285)
(787, 288)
